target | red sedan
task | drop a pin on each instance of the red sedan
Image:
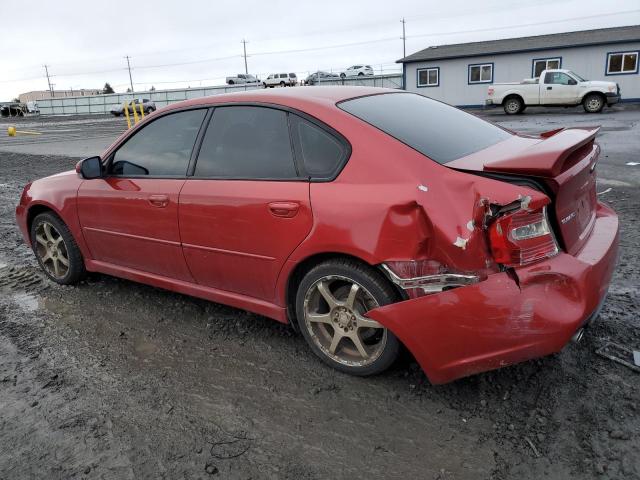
(366, 218)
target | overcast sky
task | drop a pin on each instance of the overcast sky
(84, 43)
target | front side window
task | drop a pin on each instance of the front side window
(161, 148)
(622, 62)
(435, 129)
(429, 77)
(542, 64)
(244, 142)
(558, 78)
(481, 73)
(321, 152)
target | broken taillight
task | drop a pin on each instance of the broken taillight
(522, 237)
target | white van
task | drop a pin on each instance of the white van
(282, 79)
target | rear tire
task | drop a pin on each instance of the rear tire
(331, 304)
(593, 103)
(513, 106)
(231, 82)
(343, 76)
(56, 250)
(282, 84)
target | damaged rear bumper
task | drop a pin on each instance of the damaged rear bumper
(507, 319)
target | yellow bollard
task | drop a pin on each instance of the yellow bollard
(135, 113)
(12, 132)
(141, 112)
(125, 108)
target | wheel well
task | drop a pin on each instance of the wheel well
(305, 266)
(34, 212)
(600, 94)
(512, 95)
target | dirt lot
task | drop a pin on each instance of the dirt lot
(112, 379)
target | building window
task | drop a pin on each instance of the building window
(541, 64)
(619, 63)
(429, 77)
(481, 73)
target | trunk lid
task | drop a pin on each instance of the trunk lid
(564, 161)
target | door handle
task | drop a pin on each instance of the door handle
(549, 88)
(284, 209)
(159, 201)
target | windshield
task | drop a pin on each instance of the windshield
(578, 77)
(435, 129)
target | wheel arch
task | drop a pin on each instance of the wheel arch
(306, 264)
(513, 95)
(36, 209)
(594, 92)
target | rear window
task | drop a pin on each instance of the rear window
(437, 130)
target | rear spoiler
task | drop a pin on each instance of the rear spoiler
(547, 157)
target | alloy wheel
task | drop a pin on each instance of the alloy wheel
(334, 315)
(51, 250)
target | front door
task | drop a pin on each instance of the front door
(559, 88)
(246, 208)
(129, 218)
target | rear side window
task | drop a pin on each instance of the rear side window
(321, 152)
(246, 143)
(161, 148)
(437, 130)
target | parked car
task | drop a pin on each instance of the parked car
(32, 107)
(357, 71)
(241, 79)
(282, 79)
(320, 76)
(147, 106)
(475, 247)
(554, 88)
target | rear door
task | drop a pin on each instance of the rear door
(246, 207)
(130, 217)
(558, 89)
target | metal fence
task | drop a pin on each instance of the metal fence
(100, 104)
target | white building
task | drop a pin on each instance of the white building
(459, 74)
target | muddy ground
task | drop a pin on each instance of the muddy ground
(112, 379)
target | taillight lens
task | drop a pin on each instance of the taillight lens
(522, 237)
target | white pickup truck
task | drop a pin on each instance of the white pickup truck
(553, 88)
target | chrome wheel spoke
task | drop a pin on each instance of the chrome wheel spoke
(323, 288)
(41, 240)
(349, 303)
(319, 317)
(56, 267)
(364, 322)
(47, 232)
(337, 336)
(63, 260)
(355, 338)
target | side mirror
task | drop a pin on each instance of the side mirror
(90, 168)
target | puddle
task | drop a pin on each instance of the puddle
(26, 301)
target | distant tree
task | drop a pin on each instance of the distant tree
(128, 90)
(107, 89)
(152, 89)
(16, 100)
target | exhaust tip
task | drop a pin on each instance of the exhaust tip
(577, 337)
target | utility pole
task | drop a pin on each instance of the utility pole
(244, 46)
(404, 39)
(46, 70)
(129, 67)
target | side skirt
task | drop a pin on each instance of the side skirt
(207, 293)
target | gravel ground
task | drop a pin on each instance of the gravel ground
(112, 379)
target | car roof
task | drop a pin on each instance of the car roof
(293, 97)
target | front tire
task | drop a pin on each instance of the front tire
(513, 106)
(331, 303)
(593, 103)
(56, 250)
